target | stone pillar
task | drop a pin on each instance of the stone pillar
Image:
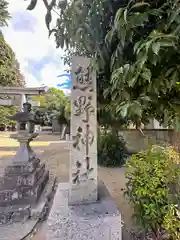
(25, 153)
(22, 101)
(83, 165)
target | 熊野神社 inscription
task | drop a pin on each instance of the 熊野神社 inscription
(83, 131)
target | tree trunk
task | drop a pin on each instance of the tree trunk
(63, 131)
(176, 140)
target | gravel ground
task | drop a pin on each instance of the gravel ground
(56, 156)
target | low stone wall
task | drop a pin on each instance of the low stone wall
(135, 141)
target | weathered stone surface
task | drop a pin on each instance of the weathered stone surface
(5, 217)
(23, 192)
(21, 215)
(22, 183)
(16, 231)
(97, 221)
(83, 167)
(25, 152)
(24, 179)
(23, 209)
(40, 209)
(14, 214)
(23, 168)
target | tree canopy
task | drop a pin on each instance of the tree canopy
(135, 46)
(10, 74)
(6, 112)
(4, 14)
(55, 105)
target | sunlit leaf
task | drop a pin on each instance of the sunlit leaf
(109, 36)
(140, 4)
(156, 47)
(124, 110)
(125, 15)
(146, 74)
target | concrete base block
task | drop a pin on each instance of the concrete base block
(96, 221)
(17, 231)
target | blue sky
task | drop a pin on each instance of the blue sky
(39, 59)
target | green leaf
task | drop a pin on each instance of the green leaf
(146, 74)
(124, 110)
(118, 15)
(174, 78)
(136, 108)
(116, 75)
(148, 44)
(167, 43)
(156, 47)
(156, 12)
(176, 31)
(153, 58)
(132, 82)
(32, 5)
(173, 16)
(145, 98)
(125, 15)
(52, 31)
(51, 5)
(169, 71)
(138, 20)
(136, 47)
(62, 4)
(140, 4)
(119, 21)
(109, 36)
(48, 19)
(142, 58)
(62, 41)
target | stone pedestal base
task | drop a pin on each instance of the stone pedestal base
(95, 221)
(20, 226)
(22, 184)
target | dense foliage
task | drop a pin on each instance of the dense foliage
(135, 45)
(4, 113)
(10, 74)
(54, 105)
(62, 40)
(4, 15)
(153, 189)
(111, 150)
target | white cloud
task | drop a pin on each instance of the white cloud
(31, 81)
(49, 75)
(34, 45)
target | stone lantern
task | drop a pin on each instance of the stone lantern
(25, 178)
